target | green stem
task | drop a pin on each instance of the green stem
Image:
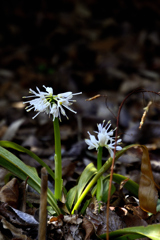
(99, 181)
(58, 161)
(103, 169)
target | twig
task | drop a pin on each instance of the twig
(92, 98)
(145, 113)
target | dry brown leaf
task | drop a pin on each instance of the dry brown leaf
(137, 211)
(133, 220)
(73, 219)
(88, 227)
(99, 220)
(17, 232)
(12, 129)
(154, 218)
(3, 173)
(148, 194)
(10, 193)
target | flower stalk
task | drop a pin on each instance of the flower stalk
(99, 181)
(58, 161)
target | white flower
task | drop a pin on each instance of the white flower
(105, 139)
(50, 104)
(92, 142)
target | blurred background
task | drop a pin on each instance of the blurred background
(97, 47)
(74, 44)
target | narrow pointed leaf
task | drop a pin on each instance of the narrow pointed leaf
(21, 170)
(71, 197)
(150, 231)
(19, 148)
(132, 236)
(85, 177)
(106, 189)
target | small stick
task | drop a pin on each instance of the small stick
(24, 195)
(43, 205)
(145, 113)
(92, 98)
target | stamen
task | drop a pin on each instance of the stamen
(36, 115)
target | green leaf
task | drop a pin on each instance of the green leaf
(158, 206)
(21, 170)
(19, 148)
(85, 177)
(71, 197)
(106, 189)
(86, 204)
(150, 231)
(130, 237)
(130, 185)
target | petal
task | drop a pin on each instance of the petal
(49, 90)
(77, 93)
(69, 109)
(100, 127)
(88, 142)
(92, 142)
(118, 148)
(38, 90)
(110, 152)
(93, 139)
(65, 95)
(119, 140)
(62, 110)
(32, 91)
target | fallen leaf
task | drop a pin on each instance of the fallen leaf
(16, 232)
(154, 218)
(148, 194)
(73, 219)
(88, 227)
(99, 220)
(133, 220)
(12, 129)
(10, 193)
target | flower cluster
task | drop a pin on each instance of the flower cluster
(50, 104)
(105, 139)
